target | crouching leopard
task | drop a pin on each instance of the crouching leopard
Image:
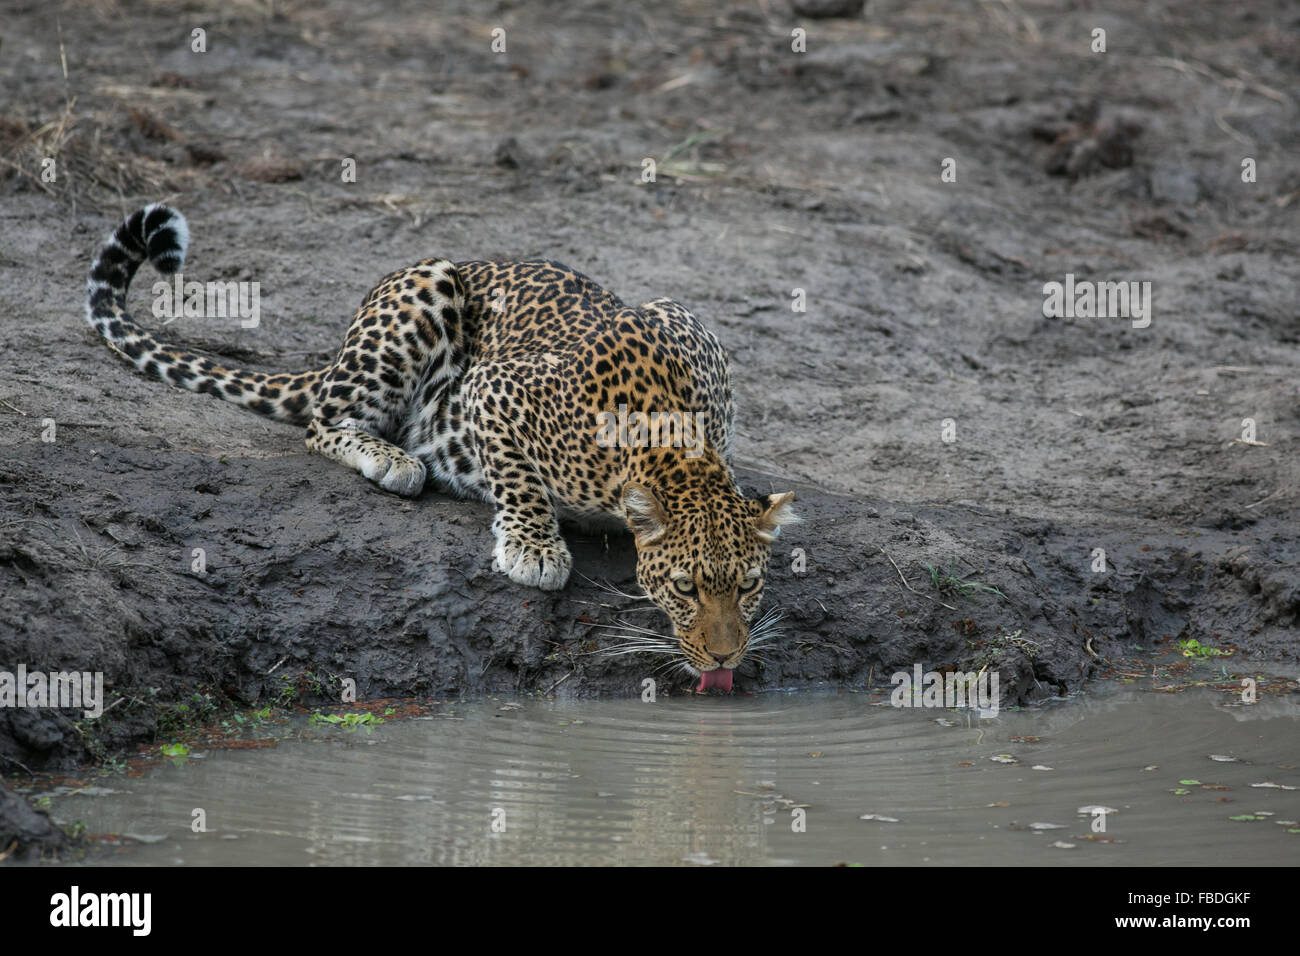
(497, 380)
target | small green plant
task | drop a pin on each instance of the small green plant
(350, 721)
(253, 720)
(288, 695)
(113, 765)
(199, 709)
(949, 583)
(1194, 648)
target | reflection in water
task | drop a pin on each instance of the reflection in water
(700, 781)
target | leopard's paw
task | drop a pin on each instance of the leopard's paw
(546, 567)
(405, 477)
(401, 475)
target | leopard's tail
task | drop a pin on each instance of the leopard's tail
(161, 235)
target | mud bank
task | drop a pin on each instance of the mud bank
(260, 581)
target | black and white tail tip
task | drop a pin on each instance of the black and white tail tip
(157, 233)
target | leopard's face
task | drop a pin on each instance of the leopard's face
(704, 564)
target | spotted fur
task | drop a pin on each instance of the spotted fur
(489, 378)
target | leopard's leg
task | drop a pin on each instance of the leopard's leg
(444, 439)
(349, 443)
(405, 345)
(529, 549)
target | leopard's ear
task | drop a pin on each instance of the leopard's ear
(644, 513)
(777, 512)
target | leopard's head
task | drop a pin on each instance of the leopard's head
(702, 557)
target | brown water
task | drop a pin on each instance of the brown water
(719, 781)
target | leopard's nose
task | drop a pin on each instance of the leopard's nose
(720, 658)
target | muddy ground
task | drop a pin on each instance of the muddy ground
(776, 170)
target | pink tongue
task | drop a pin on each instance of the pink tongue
(720, 678)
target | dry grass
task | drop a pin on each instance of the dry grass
(87, 170)
(69, 156)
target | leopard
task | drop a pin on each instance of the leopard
(526, 385)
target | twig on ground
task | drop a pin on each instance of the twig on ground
(912, 589)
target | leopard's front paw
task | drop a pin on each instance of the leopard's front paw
(405, 477)
(401, 475)
(546, 566)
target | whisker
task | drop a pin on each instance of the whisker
(638, 627)
(621, 625)
(631, 624)
(636, 640)
(611, 589)
(669, 664)
(620, 609)
(767, 627)
(641, 638)
(639, 650)
(645, 645)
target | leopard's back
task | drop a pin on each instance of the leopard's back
(655, 357)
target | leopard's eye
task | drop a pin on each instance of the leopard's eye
(750, 584)
(684, 585)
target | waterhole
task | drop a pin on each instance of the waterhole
(779, 779)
